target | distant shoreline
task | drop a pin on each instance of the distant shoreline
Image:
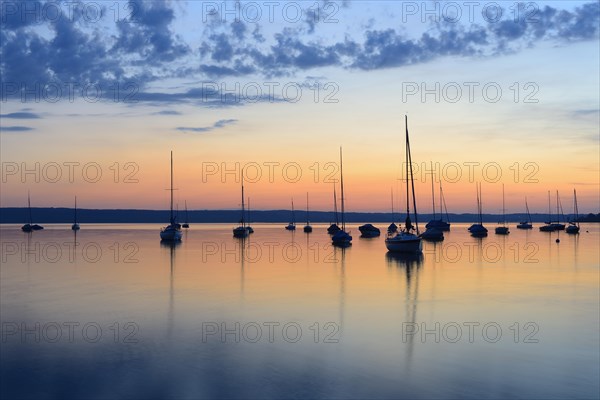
(16, 215)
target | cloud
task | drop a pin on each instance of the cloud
(15, 128)
(20, 115)
(167, 112)
(147, 33)
(144, 47)
(217, 125)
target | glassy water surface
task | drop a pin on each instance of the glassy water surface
(111, 312)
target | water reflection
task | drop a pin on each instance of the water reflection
(171, 246)
(411, 264)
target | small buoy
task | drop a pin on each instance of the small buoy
(557, 240)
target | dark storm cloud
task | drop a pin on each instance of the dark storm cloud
(219, 124)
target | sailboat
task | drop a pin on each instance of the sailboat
(503, 230)
(440, 223)
(526, 224)
(392, 228)
(30, 227)
(334, 227)
(242, 230)
(186, 223)
(307, 227)
(171, 232)
(75, 225)
(341, 237)
(558, 226)
(478, 230)
(292, 225)
(369, 231)
(573, 227)
(432, 232)
(406, 241)
(250, 229)
(548, 227)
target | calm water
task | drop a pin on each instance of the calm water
(113, 313)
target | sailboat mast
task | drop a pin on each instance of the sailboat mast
(342, 189)
(171, 207)
(549, 209)
(75, 211)
(527, 208)
(433, 193)
(307, 215)
(503, 207)
(186, 213)
(29, 206)
(479, 204)
(412, 181)
(337, 220)
(293, 213)
(248, 212)
(557, 220)
(576, 207)
(243, 205)
(392, 192)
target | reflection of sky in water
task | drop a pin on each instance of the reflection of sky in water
(286, 277)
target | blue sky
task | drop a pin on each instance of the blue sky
(149, 76)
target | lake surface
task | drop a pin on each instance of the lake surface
(112, 312)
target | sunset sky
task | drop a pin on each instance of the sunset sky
(516, 93)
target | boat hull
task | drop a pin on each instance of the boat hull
(478, 230)
(502, 230)
(433, 235)
(404, 243)
(308, 229)
(241, 232)
(333, 228)
(524, 225)
(572, 229)
(170, 235)
(438, 224)
(341, 239)
(369, 231)
(75, 227)
(547, 228)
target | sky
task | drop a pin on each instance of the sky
(95, 95)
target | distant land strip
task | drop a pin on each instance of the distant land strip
(16, 215)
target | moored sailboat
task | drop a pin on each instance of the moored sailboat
(573, 227)
(503, 230)
(526, 224)
(171, 232)
(307, 227)
(291, 226)
(334, 227)
(186, 224)
(433, 232)
(549, 226)
(242, 230)
(75, 225)
(478, 230)
(406, 241)
(342, 238)
(30, 226)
